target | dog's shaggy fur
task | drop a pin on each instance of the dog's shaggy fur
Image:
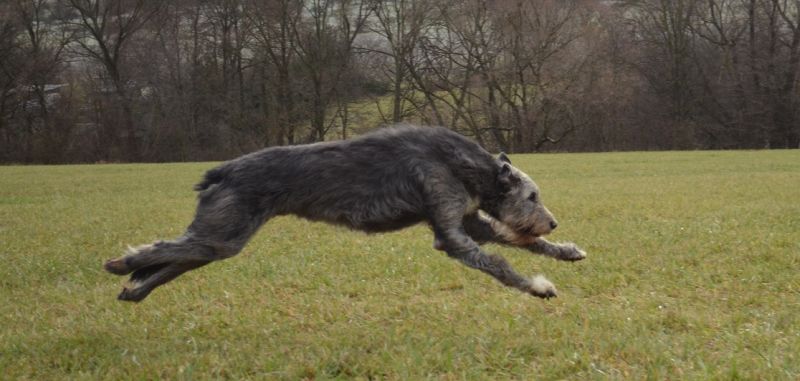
(383, 181)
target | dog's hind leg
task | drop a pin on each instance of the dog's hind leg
(154, 254)
(189, 248)
(222, 226)
(146, 279)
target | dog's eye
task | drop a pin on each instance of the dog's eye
(533, 197)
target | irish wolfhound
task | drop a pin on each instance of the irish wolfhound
(383, 181)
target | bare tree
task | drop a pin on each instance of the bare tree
(494, 67)
(746, 54)
(786, 132)
(274, 24)
(11, 63)
(401, 23)
(324, 45)
(103, 29)
(44, 47)
(545, 59)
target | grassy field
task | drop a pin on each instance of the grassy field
(692, 274)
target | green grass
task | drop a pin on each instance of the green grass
(692, 274)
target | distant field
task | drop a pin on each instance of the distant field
(693, 273)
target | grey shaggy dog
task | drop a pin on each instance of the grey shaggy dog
(379, 182)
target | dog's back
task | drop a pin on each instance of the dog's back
(371, 183)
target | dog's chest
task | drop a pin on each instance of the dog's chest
(473, 204)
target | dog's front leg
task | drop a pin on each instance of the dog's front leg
(483, 228)
(447, 202)
(562, 251)
(460, 246)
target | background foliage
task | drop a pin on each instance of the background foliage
(138, 80)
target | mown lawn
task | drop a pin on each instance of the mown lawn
(693, 273)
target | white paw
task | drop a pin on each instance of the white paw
(571, 252)
(543, 288)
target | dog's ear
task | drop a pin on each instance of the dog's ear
(506, 178)
(504, 158)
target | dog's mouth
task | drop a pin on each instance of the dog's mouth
(532, 232)
(527, 237)
(527, 231)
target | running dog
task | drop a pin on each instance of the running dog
(383, 181)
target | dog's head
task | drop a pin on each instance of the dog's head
(520, 205)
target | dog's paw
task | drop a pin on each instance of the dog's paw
(571, 252)
(117, 266)
(134, 293)
(540, 287)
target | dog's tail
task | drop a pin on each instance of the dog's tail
(214, 176)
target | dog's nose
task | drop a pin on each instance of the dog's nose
(553, 225)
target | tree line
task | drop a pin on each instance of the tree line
(140, 80)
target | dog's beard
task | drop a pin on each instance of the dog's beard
(516, 235)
